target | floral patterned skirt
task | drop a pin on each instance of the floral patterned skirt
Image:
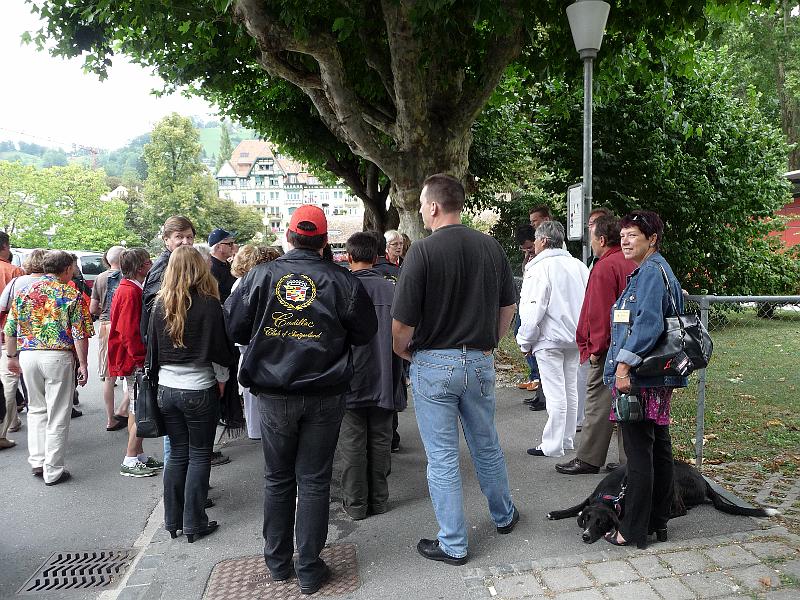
(656, 402)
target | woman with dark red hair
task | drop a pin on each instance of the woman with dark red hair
(637, 322)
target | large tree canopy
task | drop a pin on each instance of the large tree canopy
(396, 83)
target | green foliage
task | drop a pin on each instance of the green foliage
(710, 163)
(179, 184)
(63, 199)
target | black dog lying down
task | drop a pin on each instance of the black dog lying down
(601, 512)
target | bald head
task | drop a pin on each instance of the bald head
(112, 256)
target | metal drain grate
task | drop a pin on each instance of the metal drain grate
(78, 571)
(247, 578)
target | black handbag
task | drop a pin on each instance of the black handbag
(149, 421)
(683, 347)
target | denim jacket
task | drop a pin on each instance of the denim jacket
(646, 298)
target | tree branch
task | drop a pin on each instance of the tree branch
(351, 119)
(409, 81)
(276, 66)
(479, 88)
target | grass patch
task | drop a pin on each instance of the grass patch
(752, 388)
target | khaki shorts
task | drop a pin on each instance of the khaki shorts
(102, 366)
(129, 382)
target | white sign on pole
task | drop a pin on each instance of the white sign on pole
(575, 212)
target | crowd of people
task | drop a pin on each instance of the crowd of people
(308, 357)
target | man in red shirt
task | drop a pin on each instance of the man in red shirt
(606, 282)
(9, 379)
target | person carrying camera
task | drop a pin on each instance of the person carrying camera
(637, 322)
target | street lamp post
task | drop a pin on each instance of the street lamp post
(587, 21)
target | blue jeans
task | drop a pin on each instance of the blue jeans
(298, 435)
(452, 385)
(190, 418)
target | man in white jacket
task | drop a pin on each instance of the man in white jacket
(553, 287)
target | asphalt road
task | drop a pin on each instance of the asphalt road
(99, 509)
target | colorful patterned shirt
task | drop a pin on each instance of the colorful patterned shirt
(48, 315)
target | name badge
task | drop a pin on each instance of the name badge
(622, 316)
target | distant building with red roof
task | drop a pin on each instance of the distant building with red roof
(258, 176)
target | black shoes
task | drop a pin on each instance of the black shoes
(537, 406)
(577, 467)
(315, 587)
(218, 458)
(430, 549)
(535, 452)
(76, 413)
(510, 527)
(612, 466)
(65, 476)
(661, 534)
(207, 530)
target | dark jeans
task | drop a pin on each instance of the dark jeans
(365, 449)
(650, 488)
(190, 417)
(298, 434)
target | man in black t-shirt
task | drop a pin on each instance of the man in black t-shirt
(222, 249)
(454, 300)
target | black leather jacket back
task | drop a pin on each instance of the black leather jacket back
(299, 315)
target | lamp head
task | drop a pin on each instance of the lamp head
(587, 21)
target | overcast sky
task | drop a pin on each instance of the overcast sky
(52, 102)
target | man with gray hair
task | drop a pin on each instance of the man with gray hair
(100, 306)
(553, 286)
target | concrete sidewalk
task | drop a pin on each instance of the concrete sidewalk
(710, 554)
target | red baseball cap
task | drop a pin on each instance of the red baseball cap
(312, 218)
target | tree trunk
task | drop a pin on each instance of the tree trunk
(445, 153)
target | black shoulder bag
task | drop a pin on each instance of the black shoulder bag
(684, 347)
(149, 421)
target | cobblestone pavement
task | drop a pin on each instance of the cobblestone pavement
(759, 486)
(758, 564)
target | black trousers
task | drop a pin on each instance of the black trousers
(650, 487)
(298, 435)
(365, 448)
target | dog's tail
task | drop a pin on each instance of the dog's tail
(726, 506)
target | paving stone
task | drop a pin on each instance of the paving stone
(613, 571)
(689, 561)
(150, 561)
(142, 577)
(581, 595)
(649, 566)
(782, 595)
(133, 592)
(518, 586)
(769, 549)
(639, 590)
(754, 578)
(672, 588)
(561, 580)
(791, 568)
(711, 585)
(731, 556)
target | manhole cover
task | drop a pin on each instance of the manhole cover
(78, 571)
(247, 578)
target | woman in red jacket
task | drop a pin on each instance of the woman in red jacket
(126, 351)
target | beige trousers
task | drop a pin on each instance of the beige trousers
(597, 429)
(10, 381)
(50, 379)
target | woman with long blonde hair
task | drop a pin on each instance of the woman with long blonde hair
(191, 353)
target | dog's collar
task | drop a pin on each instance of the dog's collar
(614, 501)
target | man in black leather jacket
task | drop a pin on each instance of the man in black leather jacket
(299, 316)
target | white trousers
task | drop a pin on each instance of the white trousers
(50, 379)
(10, 382)
(558, 370)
